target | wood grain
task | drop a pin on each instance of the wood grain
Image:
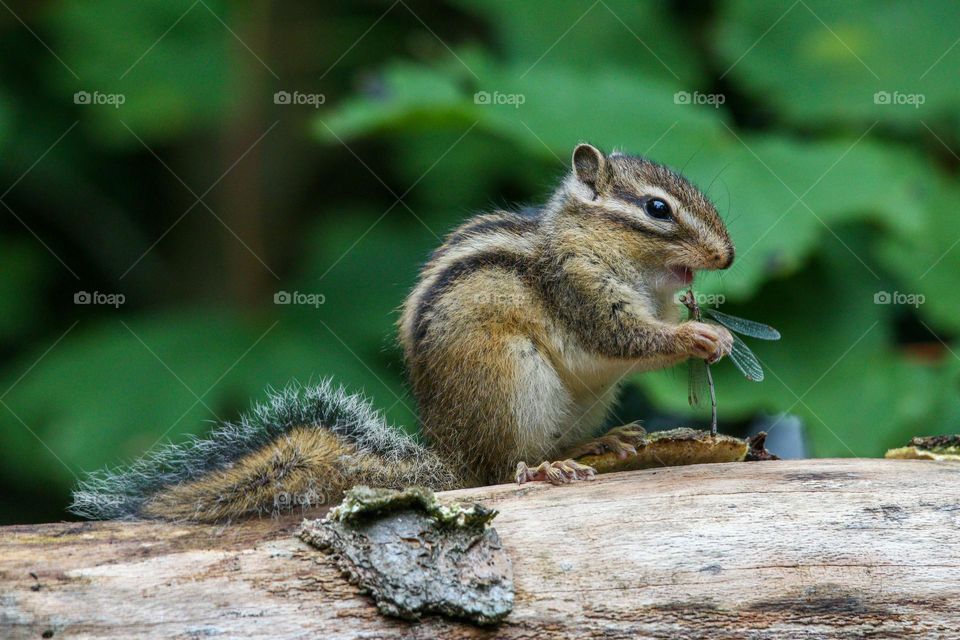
(790, 549)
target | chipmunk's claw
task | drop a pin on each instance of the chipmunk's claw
(560, 472)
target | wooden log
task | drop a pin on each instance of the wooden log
(790, 549)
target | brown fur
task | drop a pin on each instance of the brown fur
(306, 467)
(507, 308)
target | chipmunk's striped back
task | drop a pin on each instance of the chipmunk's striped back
(502, 240)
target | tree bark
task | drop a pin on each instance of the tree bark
(789, 549)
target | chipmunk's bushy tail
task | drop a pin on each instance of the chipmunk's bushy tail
(304, 446)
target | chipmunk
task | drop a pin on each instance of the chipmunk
(516, 337)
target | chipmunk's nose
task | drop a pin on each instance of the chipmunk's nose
(725, 260)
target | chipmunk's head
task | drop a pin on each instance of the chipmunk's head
(660, 218)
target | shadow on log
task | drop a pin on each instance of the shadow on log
(813, 549)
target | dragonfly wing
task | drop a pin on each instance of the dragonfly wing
(697, 386)
(744, 326)
(744, 359)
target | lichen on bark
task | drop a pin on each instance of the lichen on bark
(417, 556)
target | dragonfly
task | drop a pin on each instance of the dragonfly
(741, 355)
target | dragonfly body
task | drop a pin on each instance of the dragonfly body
(741, 355)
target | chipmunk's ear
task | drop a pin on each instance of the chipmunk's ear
(589, 164)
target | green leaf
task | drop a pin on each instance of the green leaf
(575, 35)
(558, 101)
(787, 197)
(406, 97)
(543, 111)
(819, 62)
(926, 261)
(167, 59)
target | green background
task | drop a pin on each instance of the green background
(199, 198)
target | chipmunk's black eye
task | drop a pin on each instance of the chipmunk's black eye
(657, 208)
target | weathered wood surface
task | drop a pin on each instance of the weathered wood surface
(793, 549)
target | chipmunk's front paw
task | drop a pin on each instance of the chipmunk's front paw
(560, 472)
(622, 441)
(709, 342)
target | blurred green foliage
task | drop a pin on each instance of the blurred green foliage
(832, 153)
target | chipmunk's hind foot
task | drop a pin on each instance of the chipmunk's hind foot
(559, 472)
